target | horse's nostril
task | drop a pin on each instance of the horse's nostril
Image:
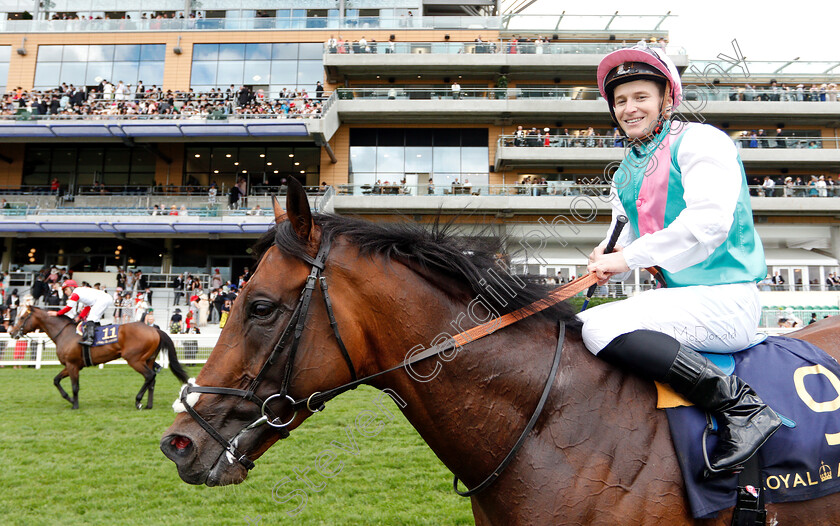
(180, 442)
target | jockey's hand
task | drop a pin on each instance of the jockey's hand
(607, 265)
(52, 313)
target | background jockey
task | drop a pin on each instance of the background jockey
(683, 189)
(90, 305)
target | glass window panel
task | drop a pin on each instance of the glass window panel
(98, 71)
(309, 72)
(391, 137)
(202, 73)
(153, 52)
(390, 163)
(363, 159)
(311, 50)
(447, 160)
(475, 159)
(5, 53)
(284, 72)
(231, 52)
(151, 73)
(142, 161)
(418, 137)
(90, 161)
(100, 53)
(418, 159)
(4, 74)
(198, 160)
(126, 72)
(258, 52)
(126, 53)
(474, 137)
(284, 51)
(249, 159)
(47, 75)
(205, 52)
(63, 160)
(447, 137)
(257, 72)
(73, 73)
(117, 160)
(49, 53)
(75, 53)
(363, 137)
(230, 72)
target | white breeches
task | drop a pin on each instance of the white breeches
(718, 318)
(98, 309)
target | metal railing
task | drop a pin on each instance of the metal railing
(620, 25)
(466, 93)
(502, 46)
(541, 139)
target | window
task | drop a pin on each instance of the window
(83, 65)
(275, 66)
(447, 155)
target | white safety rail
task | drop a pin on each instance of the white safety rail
(38, 350)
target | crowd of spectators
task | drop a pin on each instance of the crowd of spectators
(826, 92)
(588, 138)
(782, 139)
(107, 99)
(795, 186)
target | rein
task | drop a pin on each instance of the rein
(315, 402)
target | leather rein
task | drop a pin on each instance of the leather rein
(315, 402)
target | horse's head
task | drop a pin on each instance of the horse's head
(254, 388)
(25, 322)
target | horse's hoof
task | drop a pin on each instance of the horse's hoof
(139, 406)
(147, 407)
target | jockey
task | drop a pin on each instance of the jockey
(90, 304)
(683, 188)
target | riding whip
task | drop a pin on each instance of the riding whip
(620, 223)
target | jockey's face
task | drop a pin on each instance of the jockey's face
(637, 107)
(69, 290)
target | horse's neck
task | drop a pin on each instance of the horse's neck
(54, 325)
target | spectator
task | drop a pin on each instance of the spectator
(177, 288)
(456, 90)
(216, 280)
(175, 325)
(769, 186)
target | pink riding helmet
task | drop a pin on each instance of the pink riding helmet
(641, 55)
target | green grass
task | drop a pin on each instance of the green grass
(101, 464)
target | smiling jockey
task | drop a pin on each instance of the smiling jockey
(90, 305)
(683, 188)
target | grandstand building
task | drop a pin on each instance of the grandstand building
(418, 112)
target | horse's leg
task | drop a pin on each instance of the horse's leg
(74, 379)
(148, 384)
(57, 381)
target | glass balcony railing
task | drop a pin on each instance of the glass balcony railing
(617, 25)
(249, 24)
(446, 92)
(503, 46)
(540, 139)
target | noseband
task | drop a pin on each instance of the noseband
(294, 329)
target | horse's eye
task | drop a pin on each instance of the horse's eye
(262, 309)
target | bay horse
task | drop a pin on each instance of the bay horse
(599, 454)
(137, 343)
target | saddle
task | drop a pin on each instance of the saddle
(103, 334)
(801, 460)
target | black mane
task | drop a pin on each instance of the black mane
(472, 265)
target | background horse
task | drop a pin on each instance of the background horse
(599, 453)
(137, 343)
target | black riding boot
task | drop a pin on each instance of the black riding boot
(88, 333)
(745, 422)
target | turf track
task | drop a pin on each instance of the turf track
(101, 464)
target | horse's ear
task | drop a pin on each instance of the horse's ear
(279, 213)
(297, 209)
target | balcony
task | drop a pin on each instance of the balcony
(572, 61)
(539, 151)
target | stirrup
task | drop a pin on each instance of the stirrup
(709, 471)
